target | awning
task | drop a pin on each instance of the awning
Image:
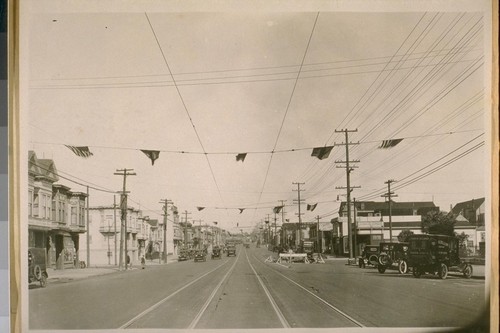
(325, 226)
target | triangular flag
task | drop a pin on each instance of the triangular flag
(287, 220)
(215, 222)
(200, 208)
(241, 157)
(241, 210)
(389, 143)
(82, 151)
(152, 154)
(277, 209)
(312, 207)
(322, 152)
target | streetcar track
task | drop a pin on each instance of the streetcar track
(197, 318)
(275, 306)
(331, 306)
(157, 304)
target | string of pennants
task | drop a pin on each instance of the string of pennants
(276, 210)
(319, 152)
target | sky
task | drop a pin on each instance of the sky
(201, 87)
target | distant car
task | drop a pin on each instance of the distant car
(200, 256)
(231, 250)
(247, 245)
(393, 255)
(183, 256)
(216, 253)
(436, 254)
(37, 266)
(369, 256)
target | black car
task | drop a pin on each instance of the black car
(436, 254)
(216, 253)
(369, 256)
(37, 266)
(231, 250)
(393, 255)
(200, 256)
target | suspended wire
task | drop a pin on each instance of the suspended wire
(185, 107)
(288, 105)
(245, 69)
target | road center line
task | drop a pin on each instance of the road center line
(280, 315)
(131, 321)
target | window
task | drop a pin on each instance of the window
(48, 207)
(54, 209)
(73, 216)
(30, 203)
(36, 200)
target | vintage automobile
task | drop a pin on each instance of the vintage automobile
(369, 256)
(247, 245)
(200, 255)
(393, 255)
(436, 254)
(216, 253)
(183, 255)
(231, 250)
(37, 266)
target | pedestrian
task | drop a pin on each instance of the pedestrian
(143, 262)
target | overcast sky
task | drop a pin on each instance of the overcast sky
(255, 82)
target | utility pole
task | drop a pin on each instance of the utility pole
(186, 213)
(275, 231)
(123, 205)
(349, 188)
(389, 195)
(165, 203)
(268, 221)
(283, 220)
(114, 222)
(355, 228)
(317, 235)
(88, 231)
(299, 201)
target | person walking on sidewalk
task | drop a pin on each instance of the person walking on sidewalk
(143, 262)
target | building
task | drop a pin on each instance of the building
(373, 223)
(470, 221)
(56, 215)
(104, 236)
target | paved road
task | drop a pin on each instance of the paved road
(247, 292)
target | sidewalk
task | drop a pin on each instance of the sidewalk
(71, 274)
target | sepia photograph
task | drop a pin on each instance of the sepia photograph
(228, 166)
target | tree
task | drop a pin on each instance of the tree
(403, 235)
(439, 223)
(462, 243)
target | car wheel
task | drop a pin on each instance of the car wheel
(383, 259)
(381, 269)
(43, 280)
(373, 259)
(403, 267)
(443, 271)
(37, 271)
(468, 271)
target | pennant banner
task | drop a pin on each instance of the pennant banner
(322, 152)
(277, 209)
(312, 207)
(152, 154)
(389, 143)
(80, 151)
(200, 208)
(241, 157)
(241, 210)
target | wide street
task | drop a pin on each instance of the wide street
(246, 292)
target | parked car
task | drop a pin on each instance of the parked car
(369, 256)
(183, 256)
(200, 256)
(37, 266)
(436, 254)
(393, 255)
(231, 250)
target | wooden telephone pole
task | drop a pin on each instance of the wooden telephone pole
(123, 206)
